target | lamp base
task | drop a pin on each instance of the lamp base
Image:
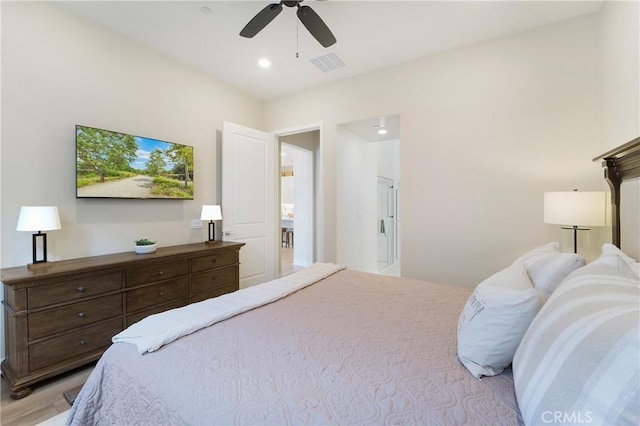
(39, 265)
(34, 245)
(575, 230)
(212, 232)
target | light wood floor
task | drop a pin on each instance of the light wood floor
(45, 401)
(286, 261)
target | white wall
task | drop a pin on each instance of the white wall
(486, 130)
(620, 56)
(58, 71)
(388, 153)
(286, 189)
(620, 27)
(356, 203)
(303, 201)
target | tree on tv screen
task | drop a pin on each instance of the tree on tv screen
(182, 157)
(102, 151)
(156, 164)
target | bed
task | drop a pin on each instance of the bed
(352, 348)
(330, 345)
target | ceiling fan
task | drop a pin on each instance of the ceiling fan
(310, 19)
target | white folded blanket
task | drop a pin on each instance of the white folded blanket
(156, 330)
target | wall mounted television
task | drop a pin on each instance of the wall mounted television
(117, 165)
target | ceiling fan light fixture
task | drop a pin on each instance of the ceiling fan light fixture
(382, 131)
(309, 18)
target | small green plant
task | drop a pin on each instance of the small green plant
(144, 242)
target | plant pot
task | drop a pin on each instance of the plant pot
(150, 248)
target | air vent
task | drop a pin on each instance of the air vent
(329, 62)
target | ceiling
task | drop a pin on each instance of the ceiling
(371, 34)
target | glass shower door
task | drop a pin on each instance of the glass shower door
(386, 223)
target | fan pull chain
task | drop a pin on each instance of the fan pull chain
(297, 38)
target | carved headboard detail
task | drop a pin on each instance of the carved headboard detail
(620, 164)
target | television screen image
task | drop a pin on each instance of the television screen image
(117, 165)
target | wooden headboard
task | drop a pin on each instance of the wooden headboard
(620, 164)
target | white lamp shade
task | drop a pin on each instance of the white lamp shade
(211, 213)
(38, 218)
(575, 208)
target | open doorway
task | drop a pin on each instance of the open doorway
(297, 200)
(368, 175)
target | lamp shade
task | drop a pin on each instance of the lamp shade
(210, 212)
(575, 208)
(38, 218)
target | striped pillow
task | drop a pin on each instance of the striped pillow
(579, 360)
(608, 248)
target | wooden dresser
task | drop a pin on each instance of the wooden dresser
(62, 315)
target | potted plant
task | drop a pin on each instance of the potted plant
(144, 245)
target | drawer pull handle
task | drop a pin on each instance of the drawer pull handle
(81, 314)
(80, 289)
(160, 273)
(82, 342)
(161, 293)
(214, 260)
(214, 278)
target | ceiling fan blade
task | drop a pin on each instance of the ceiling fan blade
(261, 20)
(316, 26)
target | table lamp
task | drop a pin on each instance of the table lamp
(38, 218)
(576, 210)
(211, 213)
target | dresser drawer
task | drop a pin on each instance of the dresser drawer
(219, 260)
(73, 289)
(214, 292)
(132, 319)
(53, 351)
(216, 278)
(156, 294)
(158, 272)
(58, 320)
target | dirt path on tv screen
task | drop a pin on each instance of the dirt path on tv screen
(135, 187)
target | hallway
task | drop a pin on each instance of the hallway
(286, 261)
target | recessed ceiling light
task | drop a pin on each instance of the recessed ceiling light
(382, 131)
(264, 63)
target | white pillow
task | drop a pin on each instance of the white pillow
(494, 319)
(548, 267)
(548, 271)
(579, 358)
(538, 252)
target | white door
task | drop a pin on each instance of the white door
(248, 199)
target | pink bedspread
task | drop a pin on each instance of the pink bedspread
(354, 348)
